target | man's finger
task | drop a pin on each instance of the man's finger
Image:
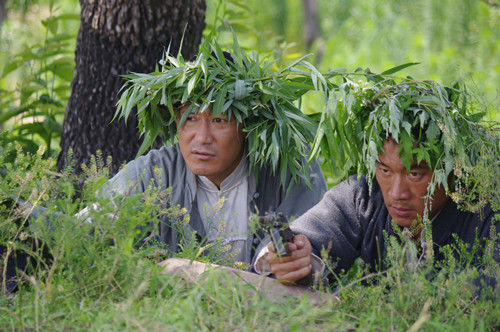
(299, 244)
(291, 247)
(295, 275)
(272, 258)
(301, 241)
(286, 267)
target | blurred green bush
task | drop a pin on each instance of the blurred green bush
(450, 39)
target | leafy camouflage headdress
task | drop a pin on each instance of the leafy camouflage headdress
(258, 94)
(431, 123)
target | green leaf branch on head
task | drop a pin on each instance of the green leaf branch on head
(260, 95)
(431, 123)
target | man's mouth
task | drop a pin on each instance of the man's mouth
(401, 211)
(202, 154)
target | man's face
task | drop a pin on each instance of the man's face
(211, 146)
(404, 191)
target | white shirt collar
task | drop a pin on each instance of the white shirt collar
(239, 174)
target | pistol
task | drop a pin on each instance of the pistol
(276, 226)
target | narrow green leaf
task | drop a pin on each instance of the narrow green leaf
(219, 100)
(399, 68)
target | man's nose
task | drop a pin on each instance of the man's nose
(400, 189)
(204, 133)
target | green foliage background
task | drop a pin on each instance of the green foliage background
(37, 45)
(450, 39)
(92, 285)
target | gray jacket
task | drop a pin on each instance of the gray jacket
(266, 194)
(351, 222)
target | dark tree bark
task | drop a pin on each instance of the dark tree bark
(117, 37)
(492, 3)
(312, 29)
(3, 12)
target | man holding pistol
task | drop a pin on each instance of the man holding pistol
(419, 149)
(242, 145)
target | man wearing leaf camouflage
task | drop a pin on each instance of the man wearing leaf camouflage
(240, 151)
(412, 142)
(242, 148)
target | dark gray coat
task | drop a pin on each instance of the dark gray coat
(351, 222)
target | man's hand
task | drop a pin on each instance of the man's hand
(295, 266)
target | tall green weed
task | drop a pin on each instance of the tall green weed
(102, 276)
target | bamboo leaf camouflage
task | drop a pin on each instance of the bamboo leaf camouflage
(261, 97)
(432, 123)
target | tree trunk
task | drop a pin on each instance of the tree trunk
(3, 12)
(117, 37)
(311, 27)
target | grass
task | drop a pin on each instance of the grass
(101, 278)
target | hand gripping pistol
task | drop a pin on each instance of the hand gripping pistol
(276, 226)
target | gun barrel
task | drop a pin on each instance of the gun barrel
(278, 244)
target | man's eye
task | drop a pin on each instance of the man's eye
(383, 170)
(415, 175)
(219, 120)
